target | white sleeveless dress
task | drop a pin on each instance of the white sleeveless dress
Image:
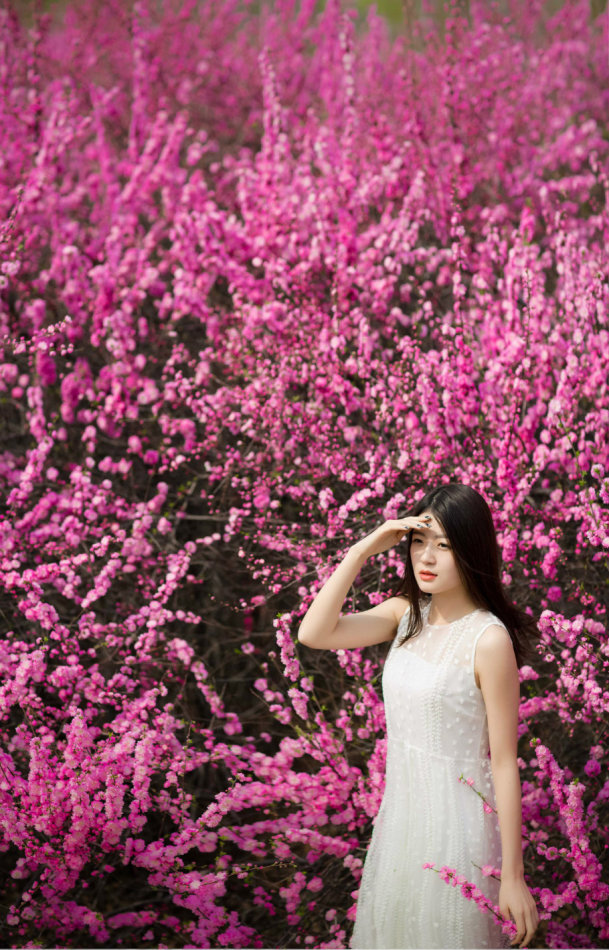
(436, 731)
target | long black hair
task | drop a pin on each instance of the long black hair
(468, 524)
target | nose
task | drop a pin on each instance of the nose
(428, 554)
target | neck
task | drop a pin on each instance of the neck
(450, 606)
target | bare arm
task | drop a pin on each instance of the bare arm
(323, 627)
(498, 674)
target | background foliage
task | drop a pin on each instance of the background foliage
(266, 275)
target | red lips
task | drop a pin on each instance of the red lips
(426, 575)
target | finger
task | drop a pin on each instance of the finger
(414, 523)
(531, 925)
(520, 929)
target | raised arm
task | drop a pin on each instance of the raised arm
(323, 627)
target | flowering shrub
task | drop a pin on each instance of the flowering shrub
(264, 279)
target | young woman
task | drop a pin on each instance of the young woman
(451, 692)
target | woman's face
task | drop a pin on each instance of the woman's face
(432, 559)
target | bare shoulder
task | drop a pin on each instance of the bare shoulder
(495, 642)
(398, 606)
(393, 608)
(495, 655)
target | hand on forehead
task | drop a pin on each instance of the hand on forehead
(431, 525)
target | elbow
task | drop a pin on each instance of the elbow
(304, 637)
(504, 761)
(308, 638)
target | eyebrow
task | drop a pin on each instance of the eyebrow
(434, 534)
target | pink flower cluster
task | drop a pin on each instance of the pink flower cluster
(264, 278)
(472, 893)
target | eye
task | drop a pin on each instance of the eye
(444, 545)
(417, 541)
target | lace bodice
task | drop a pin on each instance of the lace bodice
(445, 713)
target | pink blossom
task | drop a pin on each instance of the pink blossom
(258, 293)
